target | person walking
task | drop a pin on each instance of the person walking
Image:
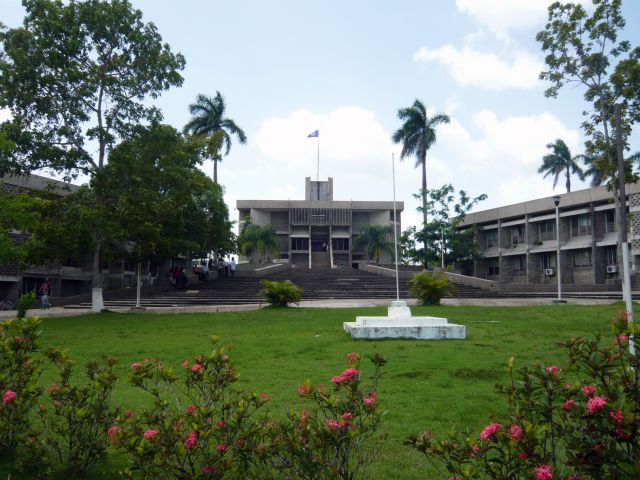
(232, 267)
(226, 269)
(45, 290)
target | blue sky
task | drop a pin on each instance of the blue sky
(287, 68)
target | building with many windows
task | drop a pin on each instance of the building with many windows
(517, 243)
(318, 232)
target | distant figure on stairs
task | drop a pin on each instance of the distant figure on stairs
(232, 267)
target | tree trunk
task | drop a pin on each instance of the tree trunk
(215, 171)
(97, 303)
(424, 205)
(568, 180)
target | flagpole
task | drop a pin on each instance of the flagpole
(395, 223)
(318, 168)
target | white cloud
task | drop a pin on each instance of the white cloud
(503, 16)
(5, 114)
(472, 68)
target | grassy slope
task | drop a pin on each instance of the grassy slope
(427, 385)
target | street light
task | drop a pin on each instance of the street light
(556, 201)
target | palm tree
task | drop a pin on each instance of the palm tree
(207, 119)
(417, 135)
(601, 171)
(559, 161)
(255, 238)
(376, 240)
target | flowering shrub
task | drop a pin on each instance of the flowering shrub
(576, 422)
(198, 427)
(280, 294)
(19, 374)
(72, 433)
(331, 439)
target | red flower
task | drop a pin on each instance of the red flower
(622, 434)
(617, 416)
(352, 357)
(589, 390)
(347, 416)
(112, 433)
(265, 397)
(552, 370)
(221, 424)
(490, 430)
(208, 470)
(304, 389)
(191, 409)
(191, 440)
(150, 434)
(516, 432)
(543, 472)
(523, 455)
(128, 413)
(8, 397)
(136, 365)
(595, 404)
(569, 405)
(196, 368)
(334, 424)
(221, 447)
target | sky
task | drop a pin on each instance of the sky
(345, 67)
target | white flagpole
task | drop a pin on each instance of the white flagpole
(395, 223)
(318, 168)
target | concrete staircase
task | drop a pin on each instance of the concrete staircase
(318, 284)
(320, 261)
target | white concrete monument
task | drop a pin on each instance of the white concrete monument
(400, 324)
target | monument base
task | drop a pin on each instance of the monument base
(400, 324)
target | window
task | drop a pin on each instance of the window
(340, 244)
(300, 244)
(547, 230)
(581, 225)
(492, 238)
(519, 264)
(547, 260)
(612, 256)
(610, 221)
(582, 258)
(492, 268)
(517, 235)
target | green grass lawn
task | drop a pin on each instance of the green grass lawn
(434, 385)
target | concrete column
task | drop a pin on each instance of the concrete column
(309, 247)
(331, 244)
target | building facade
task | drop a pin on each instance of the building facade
(518, 243)
(318, 232)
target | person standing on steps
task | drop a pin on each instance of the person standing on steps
(232, 267)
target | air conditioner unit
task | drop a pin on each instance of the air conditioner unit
(612, 269)
(549, 272)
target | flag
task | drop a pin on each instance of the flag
(314, 134)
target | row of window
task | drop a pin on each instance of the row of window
(580, 258)
(579, 225)
(302, 244)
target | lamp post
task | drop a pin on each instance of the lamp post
(556, 201)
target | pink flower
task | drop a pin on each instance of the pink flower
(617, 416)
(113, 431)
(221, 424)
(523, 455)
(221, 447)
(136, 365)
(191, 440)
(370, 401)
(347, 416)
(596, 404)
(304, 389)
(516, 432)
(350, 373)
(552, 370)
(196, 368)
(8, 397)
(208, 470)
(333, 424)
(569, 405)
(589, 390)
(352, 357)
(543, 472)
(150, 434)
(53, 388)
(191, 409)
(490, 430)
(128, 413)
(475, 448)
(622, 434)
(304, 416)
(622, 338)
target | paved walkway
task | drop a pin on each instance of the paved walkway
(489, 302)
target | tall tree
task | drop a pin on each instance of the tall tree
(256, 239)
(76, 77)
(561, 161)
(417, 135)
(376, 239)
(209, 121)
